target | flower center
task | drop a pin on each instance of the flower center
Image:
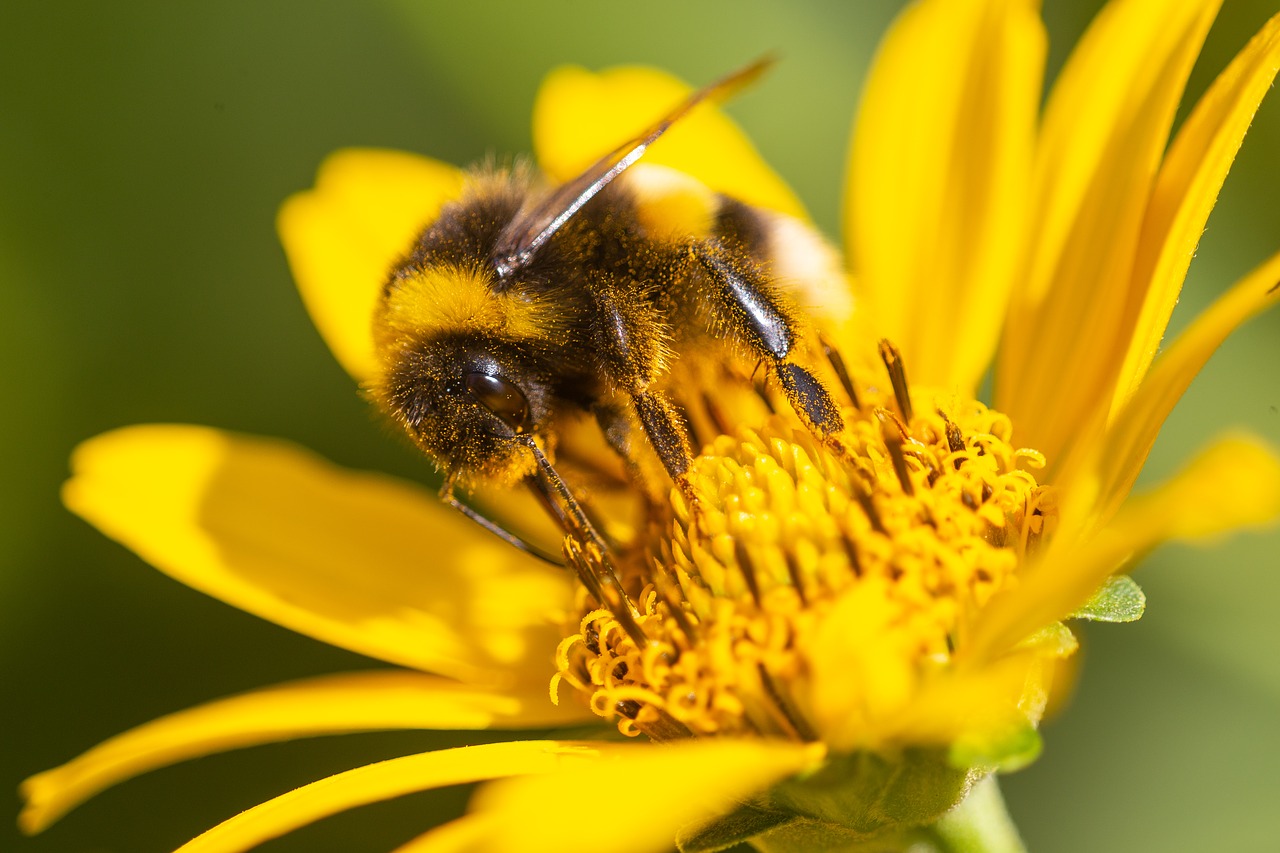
(870, 554)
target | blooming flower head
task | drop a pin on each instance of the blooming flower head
(819, 636)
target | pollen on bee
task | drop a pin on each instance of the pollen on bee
(446, 298)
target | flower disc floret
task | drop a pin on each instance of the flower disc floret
(913, 524)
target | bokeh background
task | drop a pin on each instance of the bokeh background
(144, 148)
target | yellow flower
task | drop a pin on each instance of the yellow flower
(837, 622)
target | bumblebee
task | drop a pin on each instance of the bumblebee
(520, 308)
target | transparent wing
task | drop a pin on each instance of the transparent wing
(531, 228)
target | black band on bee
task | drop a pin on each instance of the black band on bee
(467, 229)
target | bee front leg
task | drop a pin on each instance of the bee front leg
(744, 298)
(447, 496)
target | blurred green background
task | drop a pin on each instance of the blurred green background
(144, 148)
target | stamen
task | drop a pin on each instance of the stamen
(955, 438)
(898, 377)
(718, 420)
(891, 432)
(743, 558)
(842, 374)
(728, 595)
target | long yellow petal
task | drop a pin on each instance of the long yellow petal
(1104, 132)
(1233, 484)
(343, 236)
(358, 560)
(366, 701)
(1117, 459)
(579, 116)
(467, 834)
(382, 781)
(669, 787)
(1185, 192)
(939, 168)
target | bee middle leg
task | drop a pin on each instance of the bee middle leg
(633, 353)
(744, 298)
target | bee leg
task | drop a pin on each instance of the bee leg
(633, 356)
(666, 433)
(584, 547)
(446, 495)
(620, 434)
(568, 511)
(745, 300)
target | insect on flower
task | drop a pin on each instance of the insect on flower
(520, 308)
(849, 611)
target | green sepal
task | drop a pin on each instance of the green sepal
(1009, 749)
(739, 825)
(877, 803)
(1052, 641)
(866, 794)
(1120, 599)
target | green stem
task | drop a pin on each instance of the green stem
(980, 824)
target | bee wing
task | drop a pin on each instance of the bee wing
(525, 234)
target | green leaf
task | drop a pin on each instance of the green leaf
(1119, 600)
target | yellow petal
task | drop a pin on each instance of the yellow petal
(464, 834)
(637, 797)
(1104, 132)
(382, 781)
(939, 169)
(580, 116)
(1107, 469)
(1233, 484)
(343, 236)
(364, 701)
(970, 703)
(1185, 192)
(358, 560)
(867, 693)
(862, 675)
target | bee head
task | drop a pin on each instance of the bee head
(471, 406)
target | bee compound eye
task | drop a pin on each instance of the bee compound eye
(501, 397)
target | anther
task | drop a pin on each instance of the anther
(863, 497)
(715, 415)
(891, 433)
(792, 722)
(763, 393)
(675, 607)
(898, 377)
(748, 568)
(842, 374)
(797, 581)
(955, 436)
(851, 551)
